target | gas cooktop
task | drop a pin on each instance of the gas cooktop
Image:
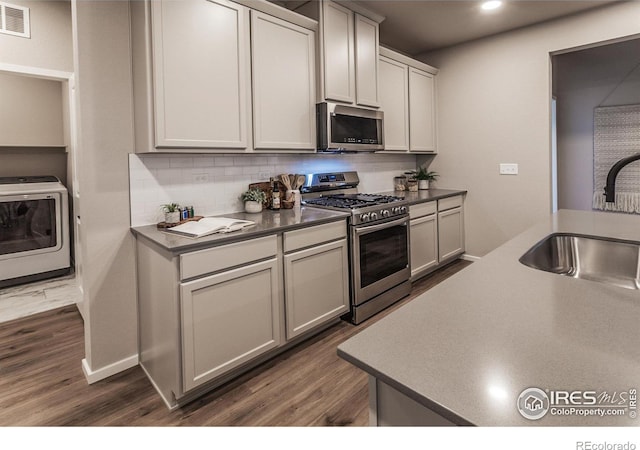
(365, 208)
(352, 201)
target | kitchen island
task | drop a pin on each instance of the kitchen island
(465, 351)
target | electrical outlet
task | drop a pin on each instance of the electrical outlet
(264, 175)
(200, 178)
(508, 169)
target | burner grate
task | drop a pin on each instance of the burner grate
(351, 201)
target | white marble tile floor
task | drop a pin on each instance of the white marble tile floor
(32, 298)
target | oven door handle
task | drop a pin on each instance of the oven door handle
(373, 228)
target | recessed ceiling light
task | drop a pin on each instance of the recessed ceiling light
(493, 4)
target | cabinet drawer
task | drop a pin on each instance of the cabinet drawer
(307, 237)
(449, 203)
(226, 256)
(422, 209)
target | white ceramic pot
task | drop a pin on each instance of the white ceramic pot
(296, 198)
(172, 217)
(252, 207)
(423, 185)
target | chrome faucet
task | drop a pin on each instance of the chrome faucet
(610, 188)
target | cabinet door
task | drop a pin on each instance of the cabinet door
(201, 87)
(338, 51)
(450, 233)
(366, 45)
(424, 244)
(316, 286)
(283, 84)
(227, 320)
(394, 101)
(422, 118)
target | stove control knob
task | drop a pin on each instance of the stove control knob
(374, 216)
(403, 209)
(395, 210)
(384, 213)
(364, 217)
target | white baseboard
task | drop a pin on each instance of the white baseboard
(472, 258)
(104, 372)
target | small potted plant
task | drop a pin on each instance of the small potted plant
(424, 177)
(171, 213)
(253, 200)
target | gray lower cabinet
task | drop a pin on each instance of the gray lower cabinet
(424, 238)
(228, 319)
(316, 276)
(450, 228)
(436, 235)
(207, 315)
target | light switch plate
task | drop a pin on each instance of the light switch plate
(508, 169)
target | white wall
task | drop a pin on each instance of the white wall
(30, 112)
(213, 183)
(604, 76)
(494, 99)
(18, 161)
(50, 44)
(105, 136)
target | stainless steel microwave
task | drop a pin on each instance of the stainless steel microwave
(349, 129)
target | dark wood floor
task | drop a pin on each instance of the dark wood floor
(41, 381)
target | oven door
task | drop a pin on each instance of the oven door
(380, 258)
(29, 225)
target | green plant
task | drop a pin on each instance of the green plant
(254, 195)
(424, 174)
(171, 207)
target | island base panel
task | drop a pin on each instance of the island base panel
(390, 407)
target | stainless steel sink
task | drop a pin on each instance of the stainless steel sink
(608, 261)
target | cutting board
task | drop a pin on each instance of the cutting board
(265, 186)
(171, 225)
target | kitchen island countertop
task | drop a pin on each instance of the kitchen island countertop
(267, 222)
(467, 348)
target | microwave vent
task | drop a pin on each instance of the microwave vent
(14, 20)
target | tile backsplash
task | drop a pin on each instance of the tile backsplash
(213, 183)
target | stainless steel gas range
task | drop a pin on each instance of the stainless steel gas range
(378, 240)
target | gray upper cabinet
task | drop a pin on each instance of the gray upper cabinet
(348, 51)
(338, 53)
(422, 117)
(201, 73)
(394, 99)
(219, 76)
(408, 99)
(283, 65)
(366, 57)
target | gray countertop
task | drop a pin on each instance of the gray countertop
(267, 222)
(468, 347)
(427, 195)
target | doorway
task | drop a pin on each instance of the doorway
(583, 81)
(41, 141)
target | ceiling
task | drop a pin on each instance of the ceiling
(418, 26)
